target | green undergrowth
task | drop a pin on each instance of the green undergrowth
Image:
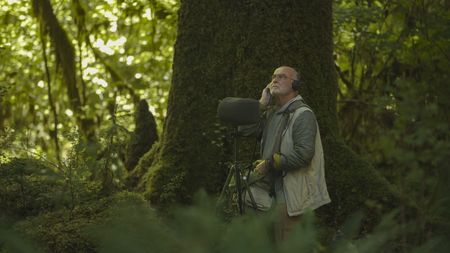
(354, 184)
(126, 223)
(71, 230)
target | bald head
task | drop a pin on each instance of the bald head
(290, 71)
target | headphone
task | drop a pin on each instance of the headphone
(296, 85)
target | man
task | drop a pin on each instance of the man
(291, 149)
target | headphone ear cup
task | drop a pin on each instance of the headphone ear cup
(296, 85)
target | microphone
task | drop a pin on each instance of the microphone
(238, 111)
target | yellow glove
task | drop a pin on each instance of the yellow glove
(261, 166)
(276, 161)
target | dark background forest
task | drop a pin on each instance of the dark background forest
(109, 139)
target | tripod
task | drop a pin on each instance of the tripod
(238, 112)
(236, 173)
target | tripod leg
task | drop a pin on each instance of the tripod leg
(227, 183)
(233, 174)
(239, 190)
(250, 194)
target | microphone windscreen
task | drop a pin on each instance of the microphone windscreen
(238, 111)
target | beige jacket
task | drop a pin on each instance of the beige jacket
(304, 188)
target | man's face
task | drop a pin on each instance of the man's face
(282, 79)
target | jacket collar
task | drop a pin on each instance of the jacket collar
(287, 107)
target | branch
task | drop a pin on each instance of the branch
(50, 97)
(65, 55)
(342, 77)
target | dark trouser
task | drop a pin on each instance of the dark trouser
(284, 223)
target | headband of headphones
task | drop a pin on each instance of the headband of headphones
(296, 85)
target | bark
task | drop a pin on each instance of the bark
(230, 48)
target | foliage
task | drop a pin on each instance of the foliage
(126, 223)
(370, 193)
(392, 59)
(105, 158)
(26, 186)
(123, 53)
(415, 157)
(66, 230)
(377, 45)
(33, 186)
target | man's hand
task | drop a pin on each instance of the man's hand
(265, 96)
(262, 167)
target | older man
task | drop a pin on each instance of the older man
(291, 151)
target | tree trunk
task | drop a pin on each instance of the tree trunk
(230, 48)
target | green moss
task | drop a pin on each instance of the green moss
(167, 187)
(69, 230)
(137, 178)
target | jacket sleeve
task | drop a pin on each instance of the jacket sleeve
(304, 135)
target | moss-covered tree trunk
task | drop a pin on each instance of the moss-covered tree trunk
(230, 48)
